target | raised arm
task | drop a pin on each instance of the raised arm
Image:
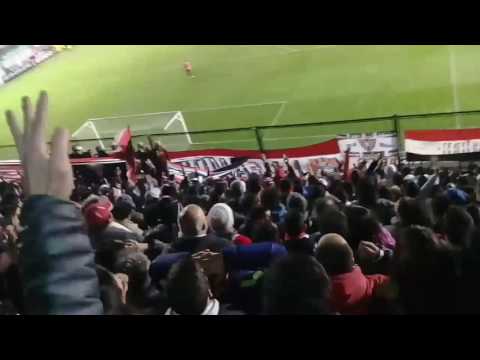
(57, 260)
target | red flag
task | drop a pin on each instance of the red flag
(126, 152)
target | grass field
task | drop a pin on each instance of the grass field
(244, 86)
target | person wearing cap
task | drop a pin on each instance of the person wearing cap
(220, 222)
(107, 235)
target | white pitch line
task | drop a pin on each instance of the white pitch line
(265, 139)
(279, 113)
(220, 142)
(114, 117)
(288, 48)
(170, 122)
(453, 82)
(234, 106)
(300, 137)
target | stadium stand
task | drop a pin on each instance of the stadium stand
(376, 239)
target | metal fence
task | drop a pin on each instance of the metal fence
(265, 138)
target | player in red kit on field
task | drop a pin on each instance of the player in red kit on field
(188, 68)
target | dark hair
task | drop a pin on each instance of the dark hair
(440, 204)
(294, 223)
(248, 202)
(285, 185)
(397, 179)
(333, 221)
(338, 190)
(425, 272)
(10, 203)
(187, 288)
(458, 226)
(411, 189)
(296, 284)
(413, 212)
(474, 212)
(385, 193)
(297, 202)
(270, 198)
(324, 204)
(364, 227)
(110, 293)
(169, 190)
(265, 232)
(135, 265)
(367, 192)
(254, 183)
(121, 211)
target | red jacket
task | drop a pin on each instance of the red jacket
(353, 291)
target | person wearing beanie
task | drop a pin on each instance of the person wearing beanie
(107, 236)
(220, 222)
(458, 197)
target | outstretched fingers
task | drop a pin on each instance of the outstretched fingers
(60, 169)
(28, 116)
(15, 131)
(39, 124)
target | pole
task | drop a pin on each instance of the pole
(396, 127)
(259, 139)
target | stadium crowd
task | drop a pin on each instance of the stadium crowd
(379, 239)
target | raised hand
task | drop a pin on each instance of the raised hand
(368, 251)
(45, 173)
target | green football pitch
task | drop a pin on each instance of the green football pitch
(239, 86)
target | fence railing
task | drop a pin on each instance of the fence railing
(273, 137)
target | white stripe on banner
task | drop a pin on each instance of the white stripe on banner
(442, 147)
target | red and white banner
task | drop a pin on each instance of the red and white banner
(461, 144)
(369, 146)
(12, 171)
(213, 163)
(222, 162)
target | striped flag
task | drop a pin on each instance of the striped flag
(445, 145)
